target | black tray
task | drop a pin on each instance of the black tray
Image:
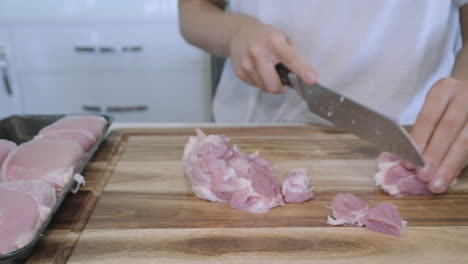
(22, 128)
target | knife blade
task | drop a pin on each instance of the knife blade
(347, 114)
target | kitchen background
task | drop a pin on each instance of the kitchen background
(125, 58)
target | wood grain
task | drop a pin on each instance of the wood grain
(138, 207)
(135, 210)
(271, 245)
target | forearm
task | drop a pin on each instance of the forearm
(208, 27)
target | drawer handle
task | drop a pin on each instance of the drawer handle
(115, 109)
(106, 49)
(137, 48)
(91, 108)
(85, 49)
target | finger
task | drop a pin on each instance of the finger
(288, 55)
(270, 77)
(453, 163)
(434, 106)
(255, 77)
(442, 139)
(246, 73)
(432, 111)
(246, 78)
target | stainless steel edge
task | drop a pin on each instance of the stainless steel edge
(357, 119)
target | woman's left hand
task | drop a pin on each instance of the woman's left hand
(441, 133)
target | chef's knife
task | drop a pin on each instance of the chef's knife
(354, 118)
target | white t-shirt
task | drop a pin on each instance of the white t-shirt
(385, 54)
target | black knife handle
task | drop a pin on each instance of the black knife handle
(283, 73)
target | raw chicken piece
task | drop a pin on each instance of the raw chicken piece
(53, 161)
(348, 209)
(385, 218)
(221, 173)
(22, 213)
(84, 138)
(296, 186)
(84, 129)
(397, 180)
(90, 123)
(40, 190)
(6, 147)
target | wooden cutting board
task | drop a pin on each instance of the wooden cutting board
(138, 208)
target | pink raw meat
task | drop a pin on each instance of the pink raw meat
(84, 138)
(40, 190)
(23, 209)
(296, 186)
(6, 147)
(348, 209)
(397, 180)
(53, 161)
(84, 129)
(385, 218)
(221, 173)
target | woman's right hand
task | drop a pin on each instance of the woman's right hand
(257, 48)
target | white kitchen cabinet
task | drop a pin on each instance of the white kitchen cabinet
(130, 97)
(8, 93)
(124, 58)
(105, 48)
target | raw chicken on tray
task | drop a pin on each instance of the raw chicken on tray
(6, 147)
(34, 173)
(40, 190)
(24, 206)
(83, 129)
(53, 161)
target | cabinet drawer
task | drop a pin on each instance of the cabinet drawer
(137, 97)
(86, 48)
